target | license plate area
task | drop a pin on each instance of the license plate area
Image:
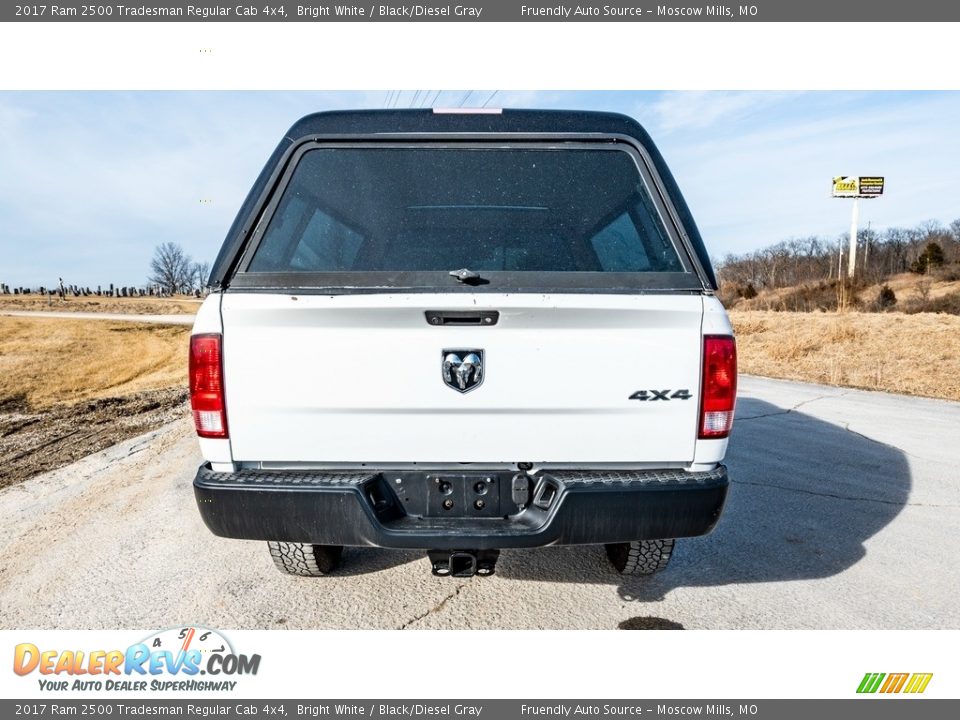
(453, 495)
(463, 496)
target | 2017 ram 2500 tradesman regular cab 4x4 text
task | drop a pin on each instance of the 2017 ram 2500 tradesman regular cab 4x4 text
(462, 332)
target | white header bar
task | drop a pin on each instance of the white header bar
(355, 56)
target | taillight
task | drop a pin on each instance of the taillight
(206, 386)
(718, 388)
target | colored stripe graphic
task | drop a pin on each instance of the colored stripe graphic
(918, 682)
(894, 683)
(870, 682)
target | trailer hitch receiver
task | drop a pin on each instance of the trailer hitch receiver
(463, 563)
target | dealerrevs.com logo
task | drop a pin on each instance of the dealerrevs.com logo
(173, 659)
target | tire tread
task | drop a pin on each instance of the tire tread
(304, 559)
(640, 557)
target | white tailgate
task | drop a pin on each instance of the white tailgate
(358, 379)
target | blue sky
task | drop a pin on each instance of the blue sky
(91, 182)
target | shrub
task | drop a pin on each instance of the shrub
(823, 296)
(886, 298)
(949, 304)
(948, 273)
(729, 295)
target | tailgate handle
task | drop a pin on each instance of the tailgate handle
(462, 317)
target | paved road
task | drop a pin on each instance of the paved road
(844, 513)
(122, 317)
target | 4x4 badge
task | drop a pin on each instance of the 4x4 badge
(654, 395)
(462, 369)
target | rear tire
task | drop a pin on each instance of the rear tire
(304, 559)
(640, 557)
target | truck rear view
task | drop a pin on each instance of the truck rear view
(463, 333)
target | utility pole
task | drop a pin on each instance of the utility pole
(840, 286)
(854, 219)
(866, 249)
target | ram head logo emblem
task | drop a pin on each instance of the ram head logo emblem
(462, 369)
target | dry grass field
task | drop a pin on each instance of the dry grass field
(134, 305)
(912, 354)
(69, 388)
(44, 361)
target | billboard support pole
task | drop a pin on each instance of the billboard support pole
(852, 264)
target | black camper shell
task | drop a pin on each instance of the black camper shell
(554, 127)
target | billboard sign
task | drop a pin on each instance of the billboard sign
(871, 186)
(846, 186)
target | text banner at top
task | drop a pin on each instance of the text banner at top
(493, 11)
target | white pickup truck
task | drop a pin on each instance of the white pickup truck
(462, 332)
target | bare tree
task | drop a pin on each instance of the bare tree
(170, 268)
(199, 272)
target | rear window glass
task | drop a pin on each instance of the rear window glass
(441, 209)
